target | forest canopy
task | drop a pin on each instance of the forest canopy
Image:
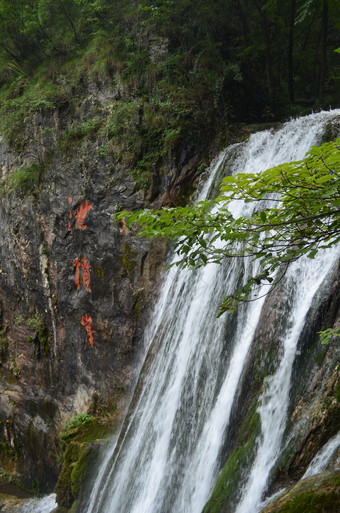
(230, 59)
(182, 72)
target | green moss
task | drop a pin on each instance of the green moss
(316, 494)
(128, 259)
(99, 271)
(79, 452)
(320, 353)
(228, 484)
(35, 322)
(6, 450)
(337, 391)
(19, 320)
(312, 503)
(3, 345)
(80, 469)
(74, 507)
(266, 361)
(44, 339)
(40, 336)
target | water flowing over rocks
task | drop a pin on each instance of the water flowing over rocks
(47, 375)
(235, 408)
(11, 504)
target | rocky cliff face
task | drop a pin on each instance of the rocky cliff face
(75, 292)
(75, 287)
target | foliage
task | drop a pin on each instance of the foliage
(17, 110)
(327, 335)
(40, 336)
(180, 71)
(80, 130)
(77, 421)
(294, 210)
(24, 180)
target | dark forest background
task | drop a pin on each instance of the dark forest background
(188, 69)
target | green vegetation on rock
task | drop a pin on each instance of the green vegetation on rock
(317, 494)
(3, 344)
(81, 440)
(228, 485)
(174, 72)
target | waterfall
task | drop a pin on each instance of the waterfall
(306, 277)
(44, 504)
(324, 455)
(167, 456)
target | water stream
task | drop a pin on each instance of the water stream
(167, 460)
(167, 456)
(330, 451)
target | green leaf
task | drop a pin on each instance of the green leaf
(305, 218)
(312, 253)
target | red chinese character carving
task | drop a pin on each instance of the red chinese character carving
(81, 214)
(86, 273)
(85, 266)
(86, 321)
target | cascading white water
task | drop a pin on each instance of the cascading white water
(302, 281)
(167, 457)
(45, 504)
(320, 461)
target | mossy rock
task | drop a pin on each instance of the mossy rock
(316, 494)
(128, 260)
(81, 442)
(228, 484)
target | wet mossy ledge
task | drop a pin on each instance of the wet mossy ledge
(316, 494)
(227, 488)
(81, 441)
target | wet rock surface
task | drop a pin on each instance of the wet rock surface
(319, 493)
(75, 289)
(46, 301)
